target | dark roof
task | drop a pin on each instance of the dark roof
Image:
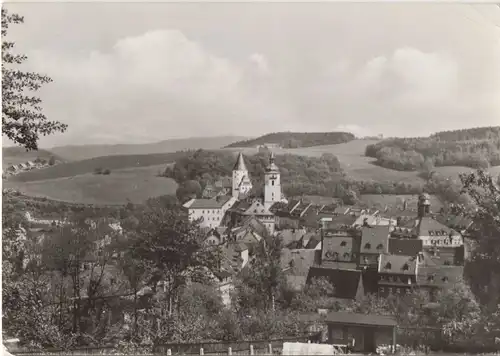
(440, 276)
(394, 264)
(298, 262)
(240, 163)
(341, 221)
(346, 282)
(406, 247)
(428, 226)
(374, 239)
(337, 248)
(214, 203)
(313, 241)
(360, 319)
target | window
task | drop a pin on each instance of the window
(343, 243)
(447, 263)
(346, 255)
(406, 267)
(430, 278)
(388, 265)
(445, 279)
(368, 246)
(272, 182)
(380, 246)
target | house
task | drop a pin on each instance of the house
(397, 274)
(292, 238)
(209, 212)
(339, 249)
(433, 278)
(237, 253)
(374, 241)
(296, 265)
(369, 331)
(262, 213)
(213, 238)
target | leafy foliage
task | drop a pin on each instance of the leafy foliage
(22, 117)
(475, 148)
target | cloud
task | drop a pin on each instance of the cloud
(162, 84)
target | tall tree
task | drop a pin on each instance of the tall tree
(22, 118)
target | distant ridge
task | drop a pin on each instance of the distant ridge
(296, 139)
(12, 155)
(80, 152)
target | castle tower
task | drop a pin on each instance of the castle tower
(241, 180)
(272, 184)
(424, 205)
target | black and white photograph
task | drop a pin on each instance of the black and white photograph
(250, 178)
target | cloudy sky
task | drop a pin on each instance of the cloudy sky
(129, 72)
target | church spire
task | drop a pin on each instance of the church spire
(240, 164)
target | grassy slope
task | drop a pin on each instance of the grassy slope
(16, 155)
(134, 184)
(71, 169)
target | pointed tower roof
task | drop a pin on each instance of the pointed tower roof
(240, 164)
(272, 167)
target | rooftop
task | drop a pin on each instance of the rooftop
(360, 319)
(214, 203)
(240, 163)
(374, 239)
(406, 247)
(395, 264)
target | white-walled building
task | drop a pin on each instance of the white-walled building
(210, 212)
(272, 184)
(241, 180)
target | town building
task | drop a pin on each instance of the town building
(209, 212)
(241, 180)
(272, 184)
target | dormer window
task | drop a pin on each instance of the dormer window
(430, 278)
(406, 267)
(343, 243)
(388, 265)
(431, 233)
(346, 255)
(380, 246)
(445, 279)
(368, 246)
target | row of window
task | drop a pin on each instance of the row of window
(394, 290)
(396, 279)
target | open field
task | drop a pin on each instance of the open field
(358, 167)
(71, 169)
(132, 184)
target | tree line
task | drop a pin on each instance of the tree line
(297, 139)
(414, 154)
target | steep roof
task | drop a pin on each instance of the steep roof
(214, 203)
(257, 208)
(428, 226)
(405, 247)
(291, 235)
(240, 163)
(337, 248)
(272, 167)
(298, 262)
(395, 264)
(374, 239)
(440, 276)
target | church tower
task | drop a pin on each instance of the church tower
(424, 205)
(272, 184)
(241, 180)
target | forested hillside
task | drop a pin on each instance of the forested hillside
(16, 155)
(474, 148)
(297, 139)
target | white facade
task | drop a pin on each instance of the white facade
(272, 184)
(210, 211)
(241, 180)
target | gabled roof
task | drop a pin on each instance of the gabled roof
(395, 264)
(341, 221)
(374, 239)
(405, 247)
(337, 248)
(257, 208)
(312, 240)
(240, 163)
(428, 226)
(440, 276)
(214, 203)
(298, 262)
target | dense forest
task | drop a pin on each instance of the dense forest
(299, 175)
(474, 148)
(297, 139)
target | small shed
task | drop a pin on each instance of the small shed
(368, 331)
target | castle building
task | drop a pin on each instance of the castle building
(241, 181)
(272, 184)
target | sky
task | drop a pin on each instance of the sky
(145, 72)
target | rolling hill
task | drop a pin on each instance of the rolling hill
(132, 184)
(112, 163)
(73, 153)
(15, 155)
(296, 139)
